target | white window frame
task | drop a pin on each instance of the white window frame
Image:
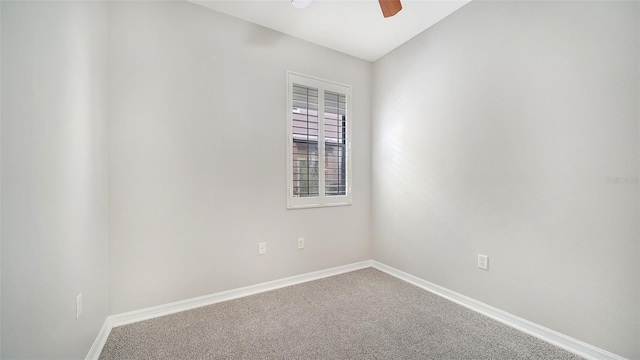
(322, 200)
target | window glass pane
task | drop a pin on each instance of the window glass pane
(335, 136)
(305, 141)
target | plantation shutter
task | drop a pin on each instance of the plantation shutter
(318, 142)
(305, 141)
(335, 137)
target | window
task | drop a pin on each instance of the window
(318, 142)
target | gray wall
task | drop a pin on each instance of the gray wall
(54, 177)
(511, 129)
(197, 156)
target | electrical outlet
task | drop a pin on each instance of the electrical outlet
(483, 262)
(300, 243)
(78, 306)
(262, 248)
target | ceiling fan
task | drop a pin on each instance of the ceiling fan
(389, 7)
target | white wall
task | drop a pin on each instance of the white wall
(54, 177)
(197, 156)
(511, 129)
(0, 181)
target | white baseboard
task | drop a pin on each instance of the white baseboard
(101, 339)
(553, 337)
(188, 304)
(166, 309)
(570, 344)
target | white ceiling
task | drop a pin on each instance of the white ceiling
(354, 27)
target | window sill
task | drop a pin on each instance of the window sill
(311, 206)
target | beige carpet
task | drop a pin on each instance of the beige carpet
(364, 314)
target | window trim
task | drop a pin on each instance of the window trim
(322, 200)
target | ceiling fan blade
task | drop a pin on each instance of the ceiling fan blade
(390, 7)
